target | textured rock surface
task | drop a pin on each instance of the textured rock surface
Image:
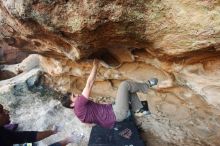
(77, 29)
(176, 41)
(11, 55)
(37, 108)
(186, 113)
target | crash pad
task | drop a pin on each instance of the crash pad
(124, 133)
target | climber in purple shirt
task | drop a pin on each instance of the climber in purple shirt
(106, 115)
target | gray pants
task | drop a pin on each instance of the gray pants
(127, 94)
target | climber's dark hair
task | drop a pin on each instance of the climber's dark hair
(65, 100)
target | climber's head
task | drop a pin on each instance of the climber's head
(68, 100)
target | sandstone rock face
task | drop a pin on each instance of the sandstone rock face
(175, 41)
(186, 113)
(80, 28)
(11, 55)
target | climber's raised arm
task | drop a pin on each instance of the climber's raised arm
(91, 79)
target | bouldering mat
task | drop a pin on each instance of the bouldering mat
(124, 133)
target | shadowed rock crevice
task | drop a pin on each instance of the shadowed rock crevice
(106, 57)
(6, 75)
(11, 55)
(193, 57)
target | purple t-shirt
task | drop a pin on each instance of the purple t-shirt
(90, 112)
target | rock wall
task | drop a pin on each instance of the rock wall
(77, 29)
(11, 55)
(186, 113)
(175, 41)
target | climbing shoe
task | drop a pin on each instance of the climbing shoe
(141, 112)
(152, 82)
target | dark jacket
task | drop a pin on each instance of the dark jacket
(8, 137)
